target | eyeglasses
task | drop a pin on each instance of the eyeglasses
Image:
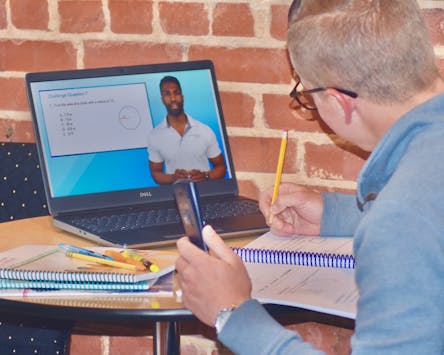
(304, 98)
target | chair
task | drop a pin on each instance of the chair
(21, 187)
(22, 195)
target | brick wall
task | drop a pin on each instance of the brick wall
(246, 41)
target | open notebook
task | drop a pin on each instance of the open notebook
(92, 130)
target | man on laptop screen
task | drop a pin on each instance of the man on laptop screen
(191, 146)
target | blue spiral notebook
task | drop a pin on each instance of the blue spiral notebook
(308, 272)
(300, 250)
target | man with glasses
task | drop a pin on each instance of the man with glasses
(369, 69)
(304, 97)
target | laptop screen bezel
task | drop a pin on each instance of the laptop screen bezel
(132, 197)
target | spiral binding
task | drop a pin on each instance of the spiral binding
(41, 284)
(266, 256)
(65, 276)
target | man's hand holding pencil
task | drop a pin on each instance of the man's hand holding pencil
(290, 208)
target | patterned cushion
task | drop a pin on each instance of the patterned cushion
(21, 186)
(22, 195)
(31, 339)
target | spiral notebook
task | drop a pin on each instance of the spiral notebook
(301, 250)
(49, 263)
(312, 273)
(58, 285)
(163, 286)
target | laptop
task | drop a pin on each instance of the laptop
(91, 129)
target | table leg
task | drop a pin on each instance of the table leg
(166, 340)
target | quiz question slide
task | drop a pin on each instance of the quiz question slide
(96, 119)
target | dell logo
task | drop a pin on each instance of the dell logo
(145, 194)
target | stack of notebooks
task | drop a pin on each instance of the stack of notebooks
(308, 272)
(46, 270)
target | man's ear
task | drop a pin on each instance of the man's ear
(345, 102)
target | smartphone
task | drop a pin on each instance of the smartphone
(187, 200)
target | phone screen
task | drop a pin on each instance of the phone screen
(187, 199)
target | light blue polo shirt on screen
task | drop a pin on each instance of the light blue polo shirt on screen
(190, 151)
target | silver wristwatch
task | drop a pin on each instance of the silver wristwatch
(222, 318)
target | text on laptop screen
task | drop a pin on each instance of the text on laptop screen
(94, 130)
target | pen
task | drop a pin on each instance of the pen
(119, 257)
(83, 251)
(101, 261)
(148, 264)
(279, 168)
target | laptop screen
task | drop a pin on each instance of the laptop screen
(93, 127)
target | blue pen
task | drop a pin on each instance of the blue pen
(83, 251)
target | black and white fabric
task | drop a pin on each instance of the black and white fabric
(22, 195)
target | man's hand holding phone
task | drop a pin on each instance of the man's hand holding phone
(210, 282)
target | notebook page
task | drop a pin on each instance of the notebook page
(327, 290)
(314, 244)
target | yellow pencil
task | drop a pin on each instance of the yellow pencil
(101, 261)
(279, 168)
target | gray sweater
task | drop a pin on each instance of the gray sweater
(397, 221)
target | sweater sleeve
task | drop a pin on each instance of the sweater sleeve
(341, 215)
(251, 330)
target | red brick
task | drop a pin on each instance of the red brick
(184, 18)
(36, 55)
(13, 95)
(260, 154)
(238, 109)
(98, 53)
(2, 13)
(226, 20)
(279, 24)
(85, 344)
(279, 115)
(29, 14)
(81, 16)
(16, 131)
(131, 345)
(256, 65)
(435, 21)
(131, 16)
(332, 340)
(331, 162)
(247, 188)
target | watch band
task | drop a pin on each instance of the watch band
(222, 317)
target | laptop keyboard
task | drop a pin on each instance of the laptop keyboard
(148, 218)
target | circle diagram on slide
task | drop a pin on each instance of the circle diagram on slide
(129, 117)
